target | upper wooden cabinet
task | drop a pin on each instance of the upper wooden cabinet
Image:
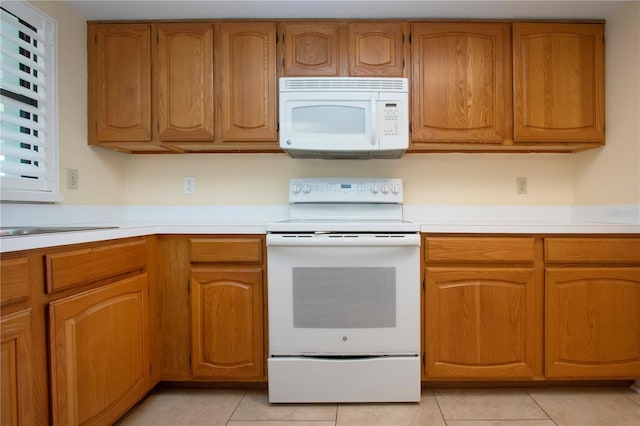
(461, 83)
(119, 76)
(195, 101)
(211, 86)
(359, 49)
(558, 82)
(184, 81)
(377, 49)
(248, 89)
(311, 49)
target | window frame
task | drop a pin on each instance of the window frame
(51, 191)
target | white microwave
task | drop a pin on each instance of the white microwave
(348, 117)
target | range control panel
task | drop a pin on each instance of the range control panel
(345, 190)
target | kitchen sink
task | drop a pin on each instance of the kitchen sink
(16, 231)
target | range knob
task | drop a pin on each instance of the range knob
(296, 188)
(385, 189)
(395, 188)
(306, 188)
(374, 188)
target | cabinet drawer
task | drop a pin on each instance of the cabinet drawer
(15, 280)
(592, 250)
(82, 266)
(479, 249)
(218, 250)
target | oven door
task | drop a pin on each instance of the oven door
(344, 294)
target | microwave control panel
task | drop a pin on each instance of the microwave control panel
(390, 119)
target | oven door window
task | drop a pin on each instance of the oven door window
(344, 297)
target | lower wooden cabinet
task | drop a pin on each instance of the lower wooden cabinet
(227, 323)
(592, 307)
(483, 307)
(99, 350)
(592, 322)
(16, 391)
(480, 323)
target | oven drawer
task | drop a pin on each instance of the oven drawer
(371, 379)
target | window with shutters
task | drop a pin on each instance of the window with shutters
(28, 105)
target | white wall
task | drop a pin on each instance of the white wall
(596, 177)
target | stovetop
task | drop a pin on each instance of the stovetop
(345, 205)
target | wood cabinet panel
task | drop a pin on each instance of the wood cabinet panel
(311, 49)
(592, 318)
(461, 83)
(225, 250)
(480, 323)
(377, 49)
(99, 352)
(15, 274)
(75, 267)
(592, 250)
(227, 323)
(248, 71)
(480, 249)
(119, 82)
(184, 81)
(17, 407)
(558, 82)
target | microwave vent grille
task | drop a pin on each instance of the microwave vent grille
(353, 84)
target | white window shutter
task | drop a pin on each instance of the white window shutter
(28, 105)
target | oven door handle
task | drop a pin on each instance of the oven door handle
(345, 240)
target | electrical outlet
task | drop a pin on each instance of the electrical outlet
(521, 185)
(189, 185)
(72, 179)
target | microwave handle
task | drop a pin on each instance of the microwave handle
(374, 123)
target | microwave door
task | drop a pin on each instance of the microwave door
(329, 124)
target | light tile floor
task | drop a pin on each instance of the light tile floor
(606, 406)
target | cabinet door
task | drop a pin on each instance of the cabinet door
(99, 352)
(184, 81)
(247, 60)
(481, 323)
(461, 83)
(558, 82)
(119, 82)
(311, 49)
(16, 393)
(592, 318)
(376, 49)
(227, 327)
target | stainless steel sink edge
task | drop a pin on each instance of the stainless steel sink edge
(18, 231)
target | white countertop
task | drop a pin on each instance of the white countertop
(202, 220)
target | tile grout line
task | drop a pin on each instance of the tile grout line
(435, 398)
(621, 392)
(244, 393)
(539, 406)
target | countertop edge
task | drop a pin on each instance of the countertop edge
(29, 242)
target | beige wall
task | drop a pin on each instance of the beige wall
(612, 175)
(100, 172)
(260, 179)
